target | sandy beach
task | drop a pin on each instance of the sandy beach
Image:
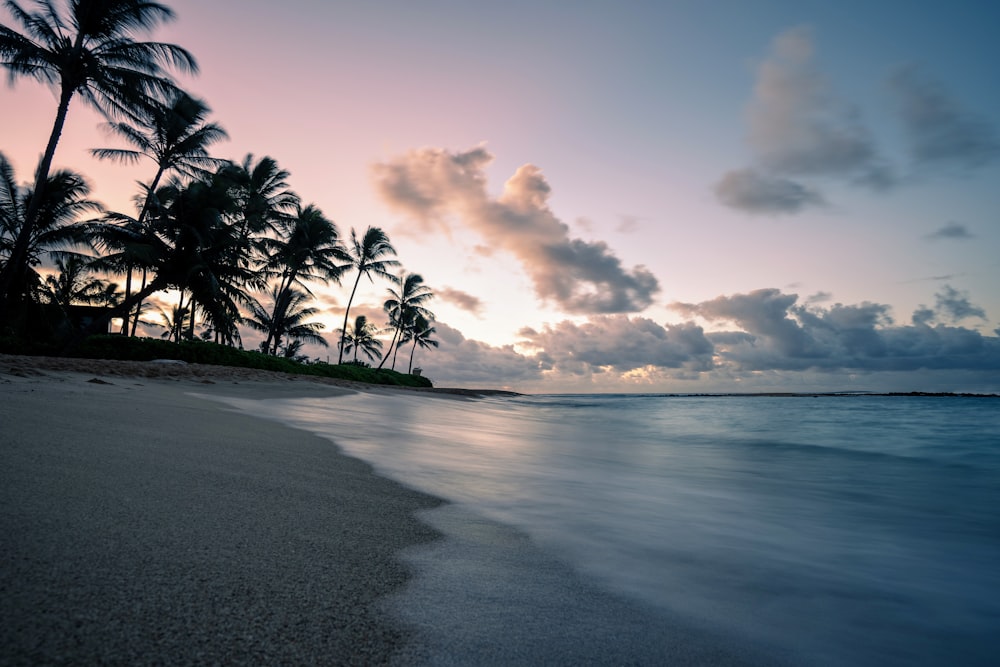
(143, 525)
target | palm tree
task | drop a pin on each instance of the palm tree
(89, 48)
(176, 138)
(404, 305)
(173, 322)
(292, 324)
(308, 248)
(419, 332)
(75, 282)
(362, 337)
(263, 199)
(368, 256)
(189, 245)
(64, 201)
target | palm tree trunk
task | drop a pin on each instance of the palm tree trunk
(17, 264)
(140, 220)
(412, 350)
(392, 346)
(138, 304)
(128, 293)
(347, 311)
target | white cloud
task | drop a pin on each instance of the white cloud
(439, 188)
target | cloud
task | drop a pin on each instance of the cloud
(940, 133)
(439, 188)
(757, 193)
(798, 128)
(460, 362)
(951, 230)
(955, 306)
(797, 125)
(619, 344)
(777, 334)
(628, 224)
(463, 300)
(772, 342)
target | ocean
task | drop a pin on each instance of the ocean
(809, 530)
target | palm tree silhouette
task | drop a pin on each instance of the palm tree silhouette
(74, 283)
(189, 245)
(291, 323)
(404, 305)
(63, 202)
(419, 332)
(368, 256)
(363, 337)
(89, 48)
(176, 138)
(308, 248)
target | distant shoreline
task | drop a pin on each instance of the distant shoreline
(212, 374)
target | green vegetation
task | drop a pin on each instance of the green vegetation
(125, 348)
(228, 243)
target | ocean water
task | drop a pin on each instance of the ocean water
(855, 530)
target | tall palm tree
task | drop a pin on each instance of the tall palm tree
(405, 303)
(176, 138)
(308, 249)
(292, 324)
(369, 256)
(89, 48)
(419, 332)
(363, 337)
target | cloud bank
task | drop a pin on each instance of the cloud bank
(439, 188)
(764, 338)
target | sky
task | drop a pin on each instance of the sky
(680, 196)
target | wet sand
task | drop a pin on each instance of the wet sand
(141, 524)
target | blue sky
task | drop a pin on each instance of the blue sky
(634, 196)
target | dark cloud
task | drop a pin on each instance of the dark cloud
(620, 344)
(955, 306)
(463, 300)
(940, 133)
(438, 188)
(757, 193)
(778, 334)
(951, 230)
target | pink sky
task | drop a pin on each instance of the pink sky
(677, 148)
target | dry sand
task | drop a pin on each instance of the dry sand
(143, 525)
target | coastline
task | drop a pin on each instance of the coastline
(143, 524)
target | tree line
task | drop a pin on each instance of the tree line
(235, 244)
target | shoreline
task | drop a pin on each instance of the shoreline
(143, 524)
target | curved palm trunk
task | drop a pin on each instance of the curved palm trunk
(392, 348)
(412, 350)
(17, 264)
(138, 303)
(347, 312)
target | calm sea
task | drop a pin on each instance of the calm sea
(849, 530)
